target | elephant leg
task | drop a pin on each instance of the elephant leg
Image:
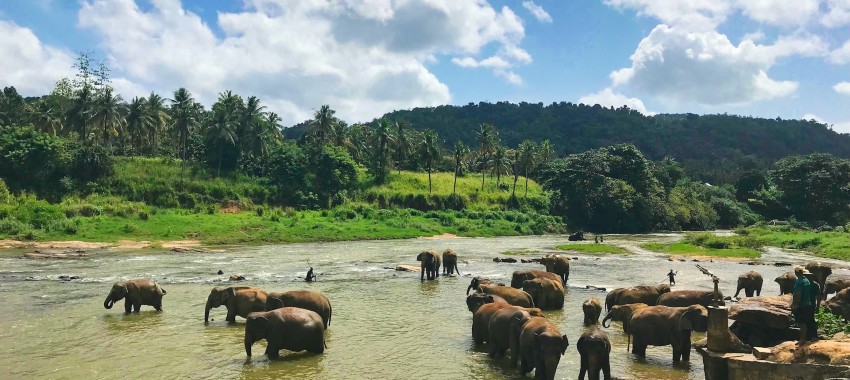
(638, 346)
(686, 349)
(748, 292)
(477, 335)
(583, 370)
(158, 305)
(737, 291)
(137, 306)
(758, 292)
(272, 351)
(128, 306)
(524, 366)
(606, 367)
(677, 354)
(231, 314)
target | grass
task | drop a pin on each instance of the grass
(592, 248)
(834, 245)
(687, 249)
(521, 252)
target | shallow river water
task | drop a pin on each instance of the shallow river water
(386, 324)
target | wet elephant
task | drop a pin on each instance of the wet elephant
(664, 325)
(647, 294)
(135, 293)
(836, 283)
(592, 308)
(475, 300)
(516, 297)
(520, 276)
(305, 299)
(477, 281)
(786, 282)
(820, 272)
(239, 300)
(750, 282)
(547, 294)
(481, 320)
(623, 313)
(594, 348)
(557, 264)
(685, 298)
(287, 328)
(541, 346)
(430, 264)
(499, 329)
(450, 262)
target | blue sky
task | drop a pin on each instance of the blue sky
(765, 58)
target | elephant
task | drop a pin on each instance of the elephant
(475, 300)
(239, 300)
(623, 313)
(541, 346)
(647, 294)
(595, 349)
(836, 283)
(516, 297)
(430, 264)
(289, 328)
(450, 262)
(558, 264)
(576, 236)
(547, 294)
(136, 293)
(236, 277)
(478, 281)
(481, 320)
(786, 282)
(521, 276)
(592, 308)
(820, 271)
(305, 299)
(663, 325)
(499, 338)
(750, 282)
(685, 298)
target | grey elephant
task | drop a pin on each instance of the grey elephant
(820, 272)
(685, 298)
(558, 264)
(305, 299)
(239, 300)
(516, 297)
(481, 320)
(786, 282)
(430, 264)
(750, 282)
(623, 313)
(475, 300)
(499, 329)
(547, 294)
(521, 276)
(836, 283)
(477, 281)
(647, 294)
(135, 293)
(664, 325)
(450, 262)
(592, 308)
(289, 328)
(541, 346)
(595, 349)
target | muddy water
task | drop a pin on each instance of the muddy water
(386, 324)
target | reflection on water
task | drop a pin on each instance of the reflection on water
(386, 324)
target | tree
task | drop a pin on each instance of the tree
(250, 127)
(430, 151)
(81, 111)
(323, 124)
(47, 118)
(184, 118)
(487, 140)
(500, 162)
(525, 159)
(459, 154)
(138, 122)
(384, 138)
(157, 113)
(402, 143)
(13, 109)
(223, 123)
(815, 188)
(107, 115)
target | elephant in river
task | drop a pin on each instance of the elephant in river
(521, 276)
(836, 283)
(136, 293)
(547, 294)
(516, 297)
(430, 264)
(576, 236)
(558, 264)
(499, 338)
(478, 281)
(685, 298)
(786, 282)
(305, 299)
(239, 300)
(289, 328)
(820, 271)
(481, 320)
(750, 282)
(475, 300)
(592, 308)
(647, 294)
(541, 346)
(664, 325)
(450, 262)
(595, 349)
(623, 313)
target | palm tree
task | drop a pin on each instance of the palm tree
(500, 162)
(138, 122)
(430, 152)
(384, 138)
(107, 114)
(486, 138)
(223, 123)
(403, 143)
(47, 118)
(545, 152)
(184, 118)
(526, 159)
(250, 125)
(460, 153)
(81, 111)
(323, 124)
(513, 157)
(156, 112)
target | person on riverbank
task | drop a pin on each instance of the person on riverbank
(803, 305)
(310, 276)
(672, 277)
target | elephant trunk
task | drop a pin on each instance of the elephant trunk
(108, 302)
(207, 313)
(606, 319)
(468, 289)
(248, 344)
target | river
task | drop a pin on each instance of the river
(386, 324)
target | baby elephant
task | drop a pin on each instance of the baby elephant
(287, 328)
(592, 309)
(136, 292)
(595, 349)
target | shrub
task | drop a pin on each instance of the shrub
(143, 215)
(129, 228)
(13, 227)
(5, 196)
(260, 211)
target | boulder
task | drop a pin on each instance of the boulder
(770, 311)
(833, 352)
(506, 260)
(840, 304)
(837, 282)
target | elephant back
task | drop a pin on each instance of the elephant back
(449, 256)
(685, 298)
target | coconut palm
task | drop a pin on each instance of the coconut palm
(81, 111)
(500, 163)
(184, 118)
(402, 143)
(223, 123)
(384, 138)
(138, 122)
(459, 154)
(526, 159)
(429, 152)
(158, 115)
(250, 125)
(108, 114)
(544, 154)
(487, 138)
(323, 124)
(47, 118)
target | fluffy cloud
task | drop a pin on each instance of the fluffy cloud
(32, 67)
(537, 11)
(609, 98)
(707, 14)
(837, 14)
(361, 57)
(784, 13)
(841, 55)
(842, 88)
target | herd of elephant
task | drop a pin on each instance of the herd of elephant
(294, 320)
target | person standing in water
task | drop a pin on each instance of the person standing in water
(310, 276)
(672, 277)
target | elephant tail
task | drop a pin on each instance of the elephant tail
(163, 291)
(330, 313)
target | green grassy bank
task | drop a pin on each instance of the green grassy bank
(592, 248)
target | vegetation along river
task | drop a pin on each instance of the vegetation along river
(386, 324)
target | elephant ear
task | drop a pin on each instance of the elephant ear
(489, 299)
(274, 303)
(685, 322)
(227, 294)
(419, 256)
(259, 325)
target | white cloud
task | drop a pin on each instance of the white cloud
(694, 14)
(837, 14)
(704, 67)
(362, 57)
(842, 88)
(783, 13)
(32, 67)
(609, 98)
(537, 11)
(841, 55)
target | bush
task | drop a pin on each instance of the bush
(13, 227)
(5, 195)
(143, 215)
(260, 211)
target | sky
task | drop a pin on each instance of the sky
(762, 58)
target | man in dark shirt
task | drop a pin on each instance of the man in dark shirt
(310, 276)
(672, 277)
(803, 304)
